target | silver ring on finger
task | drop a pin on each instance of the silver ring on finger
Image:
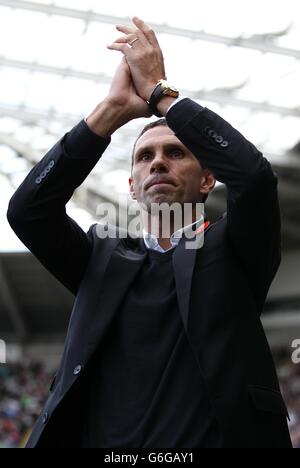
(132, 42)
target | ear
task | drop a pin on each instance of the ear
(208, 182)
(131, 188)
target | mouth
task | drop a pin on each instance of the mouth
(160, 184)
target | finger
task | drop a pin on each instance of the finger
(125, 29)
(121, 40)
(146, 30)
(136, 32)
(119, 47)
(126, 39)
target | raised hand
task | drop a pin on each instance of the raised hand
(123, 93)
(121, 105)
(143, 54)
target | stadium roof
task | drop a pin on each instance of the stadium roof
(241, 59)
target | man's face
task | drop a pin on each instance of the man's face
(161, 159)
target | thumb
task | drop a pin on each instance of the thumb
(124, 67)
(122, 73)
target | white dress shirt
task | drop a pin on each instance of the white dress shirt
(151, 241)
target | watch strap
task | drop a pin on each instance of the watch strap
(155, 98)
(160, 91)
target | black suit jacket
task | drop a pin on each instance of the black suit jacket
(221, 287)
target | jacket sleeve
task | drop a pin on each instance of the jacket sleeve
(37, 210)
(253, 213)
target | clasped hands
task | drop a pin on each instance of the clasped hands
(141, 68)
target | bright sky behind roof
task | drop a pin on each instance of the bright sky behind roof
(240, 58)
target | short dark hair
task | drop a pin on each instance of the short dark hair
(157, 123)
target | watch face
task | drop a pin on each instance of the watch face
(173, 92)
(169, 90)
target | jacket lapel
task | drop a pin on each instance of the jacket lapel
(122, 269)
(183, 264)
(184, 260)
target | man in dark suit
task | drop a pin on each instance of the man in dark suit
(165, 346)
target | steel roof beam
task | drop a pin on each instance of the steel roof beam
(218, 97)
(255, 43)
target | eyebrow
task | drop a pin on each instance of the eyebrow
(150, 148)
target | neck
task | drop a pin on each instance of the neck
(164, 230)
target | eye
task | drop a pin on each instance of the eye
(176, 152)
(145, 156)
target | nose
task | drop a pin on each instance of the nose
(159, 164)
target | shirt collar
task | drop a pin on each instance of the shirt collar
(152, 243)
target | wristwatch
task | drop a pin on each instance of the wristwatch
(163, 88)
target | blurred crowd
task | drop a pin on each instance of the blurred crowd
(289, 376)
(24, 389)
